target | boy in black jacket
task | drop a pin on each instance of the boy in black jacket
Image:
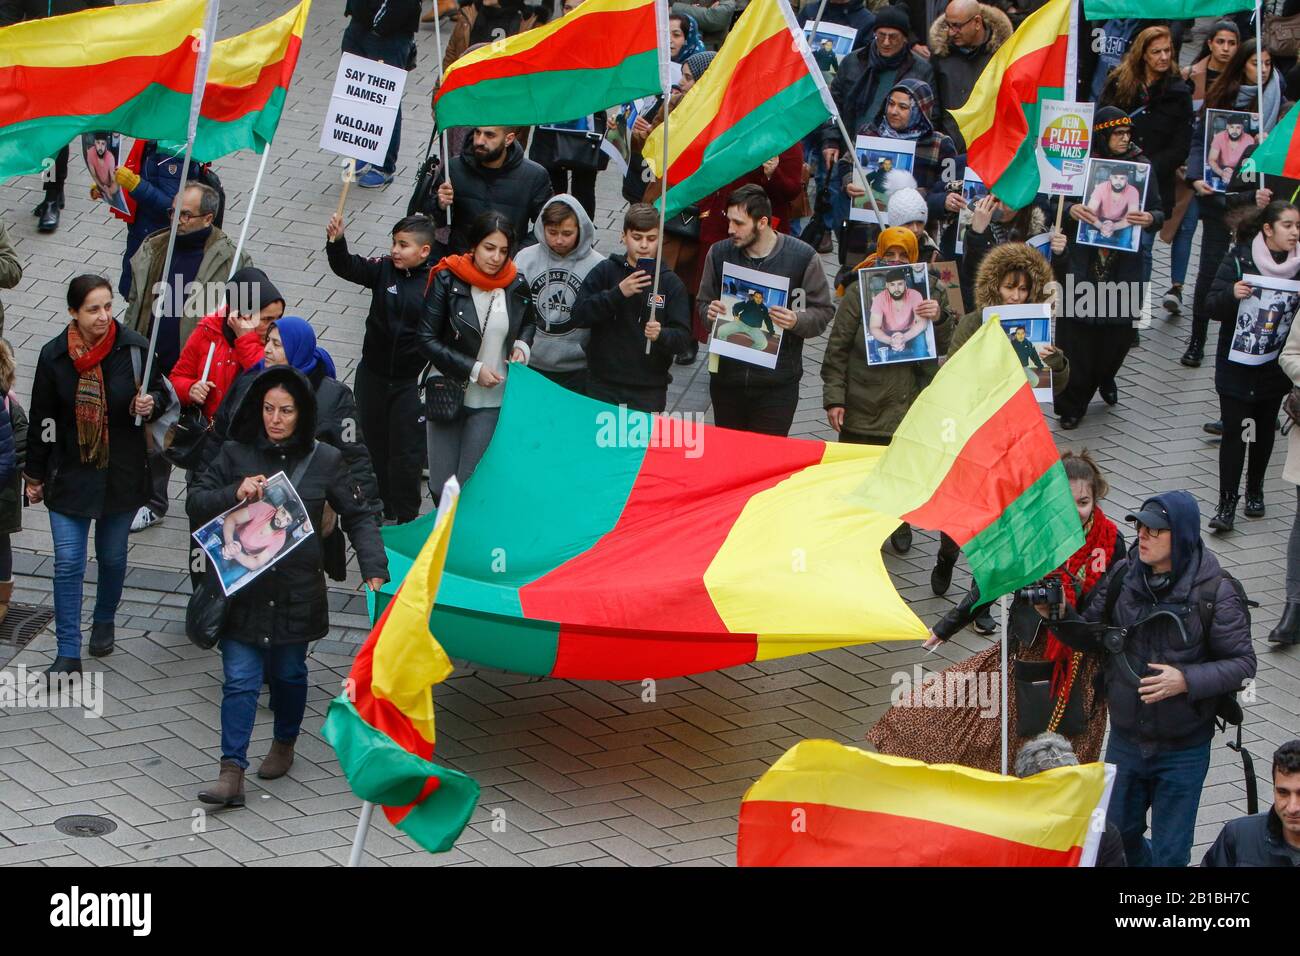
(388, 377)
(614, 303)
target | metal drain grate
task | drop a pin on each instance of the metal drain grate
(84, 825)
(22, 623)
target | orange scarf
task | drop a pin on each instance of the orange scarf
(463, 268)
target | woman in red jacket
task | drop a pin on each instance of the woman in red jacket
(236, 335)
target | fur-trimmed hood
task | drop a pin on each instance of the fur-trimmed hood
(998, 23)
(1004, 258)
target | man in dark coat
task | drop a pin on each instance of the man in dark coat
(492, 174)
(962, 42)
(1176, 633)
(1271, 838)
(17, 11)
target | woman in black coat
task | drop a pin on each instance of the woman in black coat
(1250, 383)
(91, 466)
(478, 316)
(273, 618)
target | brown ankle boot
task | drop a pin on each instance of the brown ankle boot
(228, 791)
(6, 593)
(278, 761)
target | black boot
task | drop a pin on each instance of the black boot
(1254, 503)
(1195, 351)
(1225, 516)
(901, 539)
(64, 665)
(687, 356)
(1288, 629)
(941, 576)
(1109, 392)
(49, 220)
(1213, 428)
(101, 639)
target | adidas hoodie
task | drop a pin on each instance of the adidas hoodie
(555, 281)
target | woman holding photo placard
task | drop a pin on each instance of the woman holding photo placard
(1254, 299)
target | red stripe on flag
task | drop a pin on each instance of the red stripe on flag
(991, 154)
(382, 714)
(781, 833)
(651, 626)
(226, 103)
(32, 92)
(596, 41)
(1006, 455)
(764, 72)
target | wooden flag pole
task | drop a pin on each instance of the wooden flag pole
(1060, 209)
(349, 177)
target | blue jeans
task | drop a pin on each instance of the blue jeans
(1169, 785)
(393, 50)
(1182, 248)
(284, 667)
(71, 535)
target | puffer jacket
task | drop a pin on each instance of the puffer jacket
(875, 397)
(518, 190)
(288, 602)
(231, 355)
(450, 335)
(1248, 383)
(1213, 664)
(956, 71)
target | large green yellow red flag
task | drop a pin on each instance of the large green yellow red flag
(129, 69)
(662, 546)
(603, 53)
(382, 725)
(1000, 119)
(248, 81)
(825, 804)
(761, 94)
(974, 457)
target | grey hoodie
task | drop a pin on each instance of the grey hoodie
(555, 281)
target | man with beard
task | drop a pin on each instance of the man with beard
(1227, 147)
(894, 326)
(749, 397)
(491, 174)
(1111, 202)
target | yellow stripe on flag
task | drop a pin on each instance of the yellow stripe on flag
(811, 545)
(1050, 810)
(407, 659)
(239, 60)
(522, 42)
(1039, 30)
(101, 35)
(760, 21)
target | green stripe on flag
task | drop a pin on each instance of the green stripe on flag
(1034, 535)
(380, 771)
(1160, 9)
(1274, 155)
(1020, 182)
(549, 96)
(779, 124)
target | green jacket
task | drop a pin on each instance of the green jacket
(146, 273)
(11, 271)
(876, 397)
(714, 20)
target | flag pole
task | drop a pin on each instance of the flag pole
(661, 15)
(363, 825)
(1002, 603)
(208, 40)
(857, 166)
(817, 24)
(1259, 73)
(248, 211)
(442, 134)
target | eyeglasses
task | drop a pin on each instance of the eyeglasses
(958, 27)
(186, 215)
(1150, 532)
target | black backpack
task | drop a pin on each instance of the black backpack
(1228, 708)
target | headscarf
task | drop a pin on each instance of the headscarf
(300, 348)
(694, 44)
(91, 398)
(893, 236)
(699, 62)
(917, 124)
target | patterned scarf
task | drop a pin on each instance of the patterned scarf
(1079, 575)
(91, 397)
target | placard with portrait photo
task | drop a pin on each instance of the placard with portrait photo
(1115, 189)
(894, 331)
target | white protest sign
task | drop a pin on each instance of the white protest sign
(363, 109)
(1064, 139)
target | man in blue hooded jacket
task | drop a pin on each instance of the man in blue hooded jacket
(1165, 672)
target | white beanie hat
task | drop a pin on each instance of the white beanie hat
(905, 203)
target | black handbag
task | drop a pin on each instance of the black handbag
(572, 149)
(443, 398)
(1034, 701)
(183, 446)
(684, 225)
(423, 197)
(205, 615)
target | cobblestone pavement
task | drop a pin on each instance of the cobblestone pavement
(585, 772)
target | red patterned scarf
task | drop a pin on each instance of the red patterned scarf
(91, 396)
(1078, 576)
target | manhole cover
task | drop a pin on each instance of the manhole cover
(23, 622)
(84, 826)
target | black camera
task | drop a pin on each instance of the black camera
(1045, 591)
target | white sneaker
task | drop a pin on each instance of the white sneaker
(144, 518)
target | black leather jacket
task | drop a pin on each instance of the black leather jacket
(450, 334)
